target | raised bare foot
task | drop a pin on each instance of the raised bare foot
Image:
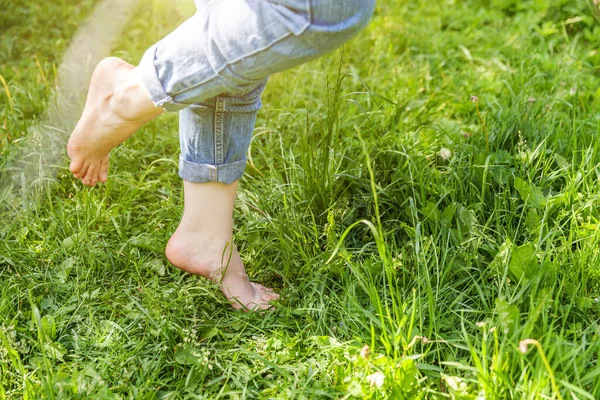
(207, 256)
(117, 105)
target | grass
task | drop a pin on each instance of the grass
(34, 35)
(456, 237)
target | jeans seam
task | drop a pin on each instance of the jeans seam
(218, 133)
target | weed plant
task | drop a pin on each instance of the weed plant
(424, 199)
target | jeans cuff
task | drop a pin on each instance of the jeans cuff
(200, 173)
(152, 83)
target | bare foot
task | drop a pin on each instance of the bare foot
(202, 244)
(117, 105)
(206, 255)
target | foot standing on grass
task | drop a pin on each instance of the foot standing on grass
(212, 69)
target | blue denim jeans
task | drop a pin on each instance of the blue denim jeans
(214, 67)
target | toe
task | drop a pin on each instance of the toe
(259, 305)
(82, 171)
(266, 291)
(96, 176)
(275, 296)
(90, 176)
(264, 305)
(261, 287)
(269, 296)
(76, 167)
(103, 176)
(266, 295)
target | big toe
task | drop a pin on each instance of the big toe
(76, 167)
(260, 305)
(82, 171)
(270, 296)
(266, 294)
(262, 287)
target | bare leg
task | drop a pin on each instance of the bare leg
(202, 244)
(117, 105)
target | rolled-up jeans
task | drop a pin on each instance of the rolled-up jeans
(214, 67)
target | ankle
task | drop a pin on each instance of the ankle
(130, 99)
(210, 234)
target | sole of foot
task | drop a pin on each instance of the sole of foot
(117, 105)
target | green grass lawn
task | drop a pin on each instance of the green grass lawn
(431, 191)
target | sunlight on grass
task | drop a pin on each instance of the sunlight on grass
(425, 199)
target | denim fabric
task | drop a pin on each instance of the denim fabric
(215, 135)
(214, 67)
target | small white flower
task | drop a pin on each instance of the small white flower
(523, 347)
(524, 344)
(445, 153)
(365, 352)
(376, 379)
